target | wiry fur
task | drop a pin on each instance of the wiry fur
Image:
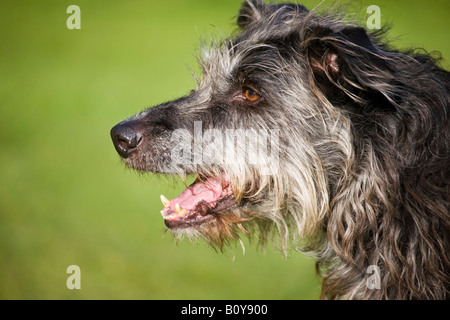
(364, 149)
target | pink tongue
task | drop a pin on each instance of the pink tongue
(209, 191)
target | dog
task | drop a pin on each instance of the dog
(310, 132)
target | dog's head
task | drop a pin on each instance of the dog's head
(266, 132)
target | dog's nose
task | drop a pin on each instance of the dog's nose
(125, 139)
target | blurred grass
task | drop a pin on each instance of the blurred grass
(65, 198)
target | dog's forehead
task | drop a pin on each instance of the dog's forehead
(258, 43)
(241, 61)
(277, 25)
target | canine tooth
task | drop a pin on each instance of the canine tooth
(179, 210)
(165, 201)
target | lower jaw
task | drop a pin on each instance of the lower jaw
(196, 219)
(188, 223)
(202, 214)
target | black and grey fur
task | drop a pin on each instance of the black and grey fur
(363, 167)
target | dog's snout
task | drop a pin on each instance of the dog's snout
(125, 139)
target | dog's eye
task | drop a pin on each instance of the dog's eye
(251, 95)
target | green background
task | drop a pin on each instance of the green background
(65, 197)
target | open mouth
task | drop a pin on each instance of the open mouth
(198, 203)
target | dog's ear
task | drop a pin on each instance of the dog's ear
(330, 51)
(254, 10)
(356, 36)
(348, 60)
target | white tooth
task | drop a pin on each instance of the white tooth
(165, 201)
(179, 210)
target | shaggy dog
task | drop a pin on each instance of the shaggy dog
(309, 132)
